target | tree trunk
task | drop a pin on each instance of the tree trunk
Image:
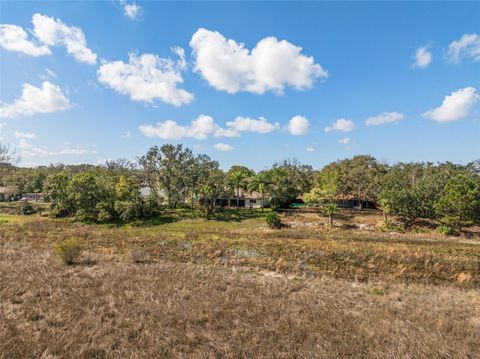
(238, 196)
(330, 220)
(385, 216)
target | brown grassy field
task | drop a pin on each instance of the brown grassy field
(234, 288)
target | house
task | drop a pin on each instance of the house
(352, 202)
(8, 193)
(32, 197)
(245, 200)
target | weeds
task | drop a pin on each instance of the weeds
(68, 250)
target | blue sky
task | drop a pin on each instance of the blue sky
(106, 80)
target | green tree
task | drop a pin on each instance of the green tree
(92, 195)
(459, 201)
(168, 168)
(325, 196)
(128, 202)
(238, 177)
(261, 183)
(212, 186)
(290, 179)
(56, 191)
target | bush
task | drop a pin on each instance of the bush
(446, 230)
(68, 250)
(139, 255)
(273, 220)
(390, 226)
(27, 209)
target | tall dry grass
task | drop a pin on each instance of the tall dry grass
(117, 309)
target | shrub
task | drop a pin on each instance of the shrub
(273, 220)
(68, 250)
(390, 226)
(446, 230)
(139, 255)
(27, 209)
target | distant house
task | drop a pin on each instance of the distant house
(245, 200)
(32, 197)
(9, 193)
(349, 201)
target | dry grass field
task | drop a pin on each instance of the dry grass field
(234, 288)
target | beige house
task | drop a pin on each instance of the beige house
(245, 200)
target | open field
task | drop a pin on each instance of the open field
(232, 287)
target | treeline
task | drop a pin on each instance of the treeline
(176, 177)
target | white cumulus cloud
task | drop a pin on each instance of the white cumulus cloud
(423, 57)
(47, 32)
(271, 65)
(199, 129)
(53, 32)
(311, 149)
(342, 124)
(223, 147)
(204, 126)
(455, 106)
(146, 78)
(385, 117)
(46, 99)
(15, 38)
(247, 124)
(298, 125)
(468, 46)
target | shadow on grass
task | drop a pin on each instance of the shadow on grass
(236, 215)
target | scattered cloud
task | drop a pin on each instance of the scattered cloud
(385, 117)
(47, 32)
(204, 126)
(311, 149)
(223, 147)
(345, 141)
(423, 57)
(298, 125)
(271, 65)
(146, 78)
(199, 129)
(131, 10)
(50, 73)
(15, 38)
(468, 46)
(27, 150)
(247, 124)
(342, 124)
(47, 99)
(127, 134)
(455, 106)
(53, 32)
(28, 135)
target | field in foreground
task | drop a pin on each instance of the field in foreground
(234, 288)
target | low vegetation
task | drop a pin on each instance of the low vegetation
(68, 250)
(233, 287)
(166, 273)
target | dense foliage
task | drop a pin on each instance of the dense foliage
(173, 176)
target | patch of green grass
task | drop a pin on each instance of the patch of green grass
(375, 291)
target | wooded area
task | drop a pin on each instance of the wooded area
(176, 177)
